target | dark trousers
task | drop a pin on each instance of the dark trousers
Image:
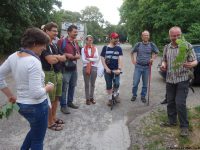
(176, 98)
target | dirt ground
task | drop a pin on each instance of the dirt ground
(94, 127)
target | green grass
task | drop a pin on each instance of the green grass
(159, 136)
(155, 145)
(136, 147)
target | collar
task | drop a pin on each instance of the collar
(171, 46)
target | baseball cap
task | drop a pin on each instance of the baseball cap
(114, 35)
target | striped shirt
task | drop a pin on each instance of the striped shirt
(176, 75)
(112, 53)
(144, 52)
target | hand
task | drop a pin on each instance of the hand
(12, 99)
(88, 59)
(151, 61)
(188, 65)
(108, 70)
(49, 87)
(77, 56)
(117, 72)
(163, 66)
(134, 62)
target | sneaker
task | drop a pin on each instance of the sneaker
(133, 98)
(92, 101)
(65, 110)
(143, 99)
(164, 101)
(116, 94)
(167, 124)
(184, 132)
(72, 105)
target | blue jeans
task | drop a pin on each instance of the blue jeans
(176, 103)
(112, 79)
(68, 88)
(37, 116)
(144, 72)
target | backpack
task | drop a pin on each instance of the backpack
(151, 44)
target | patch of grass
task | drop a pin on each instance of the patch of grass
(183, 141)
(197, 109)
(155, 145)
(136, 147)
(162, 137)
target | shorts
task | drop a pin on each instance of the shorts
(56, 79)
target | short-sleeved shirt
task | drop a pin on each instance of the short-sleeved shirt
(144, 52)
(51, 49)
(176, 75)
(113, 54)
(69, 47)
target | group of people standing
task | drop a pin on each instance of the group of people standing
(46, 73)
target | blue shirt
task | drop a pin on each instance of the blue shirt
(144, 52)
(112, 53)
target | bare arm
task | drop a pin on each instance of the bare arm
(51, 59)
(133, 58)
(61, 58)
(104, 65)
(9, 94)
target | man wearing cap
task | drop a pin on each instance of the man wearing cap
(142, 56)
(111, 57)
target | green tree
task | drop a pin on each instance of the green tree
(64, 15)
(16, 16)
(94, 21)
(158, 16)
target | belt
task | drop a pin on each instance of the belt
(143, 64)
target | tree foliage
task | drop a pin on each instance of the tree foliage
(94, 21)
(158, 16)
(16, 16)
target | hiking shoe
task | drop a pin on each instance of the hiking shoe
(143, 99)
(133, 98)
(87, 102)
(65, 110)
(184, 132)
(72, 105)
(92, 101)
(167, 124)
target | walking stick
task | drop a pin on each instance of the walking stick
(149, 84)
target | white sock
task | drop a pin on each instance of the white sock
(109, 96)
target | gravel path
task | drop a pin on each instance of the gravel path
(94, 127)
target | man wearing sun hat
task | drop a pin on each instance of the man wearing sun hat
(111, 57)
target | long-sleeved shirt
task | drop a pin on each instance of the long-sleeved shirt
(29, 77)
(95, 59)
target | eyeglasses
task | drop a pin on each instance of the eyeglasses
(54, 31)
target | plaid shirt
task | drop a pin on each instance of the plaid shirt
(180, 74)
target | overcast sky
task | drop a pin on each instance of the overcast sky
(108, 8)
